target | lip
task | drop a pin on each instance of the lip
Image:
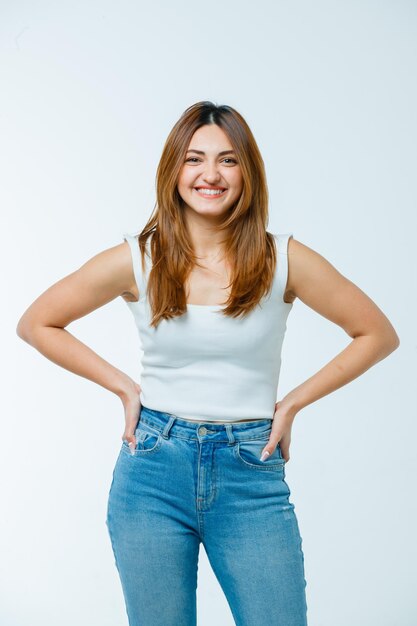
(211, 188)
(210, 196)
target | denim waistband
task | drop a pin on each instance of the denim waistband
(169, 424)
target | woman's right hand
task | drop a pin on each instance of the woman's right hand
(132, 406)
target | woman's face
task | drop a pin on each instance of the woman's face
(205, 169)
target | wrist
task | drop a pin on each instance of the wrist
(124, 386)
(290, 404)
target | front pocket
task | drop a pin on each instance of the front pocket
(249, 453)
(147, 440)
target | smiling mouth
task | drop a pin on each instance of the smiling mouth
(206, 192)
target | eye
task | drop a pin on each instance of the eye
(194, 159)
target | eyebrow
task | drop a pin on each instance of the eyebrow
(220, 153)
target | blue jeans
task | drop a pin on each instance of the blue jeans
(189, 483)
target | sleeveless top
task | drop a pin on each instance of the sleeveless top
(204, 366)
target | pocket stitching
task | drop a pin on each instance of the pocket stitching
(139, 452)
(277, 465)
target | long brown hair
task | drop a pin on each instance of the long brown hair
(249, 248)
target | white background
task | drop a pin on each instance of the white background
(90, 91)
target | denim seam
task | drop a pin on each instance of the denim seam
(140, 452)
(270, 467)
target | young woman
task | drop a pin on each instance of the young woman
(205, 442)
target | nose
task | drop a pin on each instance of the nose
(211, 173)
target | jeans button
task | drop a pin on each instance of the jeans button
(202, 430)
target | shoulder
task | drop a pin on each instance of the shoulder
(96, 282)
(113, 267)
(303, 262)
(309, 271)
(299, 255)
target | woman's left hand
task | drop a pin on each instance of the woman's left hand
(281, 431)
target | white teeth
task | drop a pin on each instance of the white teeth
(211, 192)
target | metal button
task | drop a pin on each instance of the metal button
(202, 430)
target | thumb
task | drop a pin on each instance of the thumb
(270, 447)
(130, 440)
(132, 443)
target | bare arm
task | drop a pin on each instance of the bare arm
(101, 279)
(320, 286)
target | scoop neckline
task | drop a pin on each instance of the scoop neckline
(192, 306)
(205, 306)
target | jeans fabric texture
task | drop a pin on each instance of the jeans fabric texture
(188, 483)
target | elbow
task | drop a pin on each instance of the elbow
(383, 343)
(393, 339)
(391, 342)
(389, 339)
(21, 331)
(24, 330)
(395, 342)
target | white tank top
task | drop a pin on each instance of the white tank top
(204, 366)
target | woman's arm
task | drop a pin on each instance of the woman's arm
(101, 279)
(321, 287)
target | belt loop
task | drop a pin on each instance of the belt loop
(230, 435)
(168, 426)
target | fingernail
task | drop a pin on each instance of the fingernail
(265, 453)
(132, 447)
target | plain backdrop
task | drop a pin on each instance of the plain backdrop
(90, 91)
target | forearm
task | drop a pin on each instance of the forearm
(363, 352)
(61, 347)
